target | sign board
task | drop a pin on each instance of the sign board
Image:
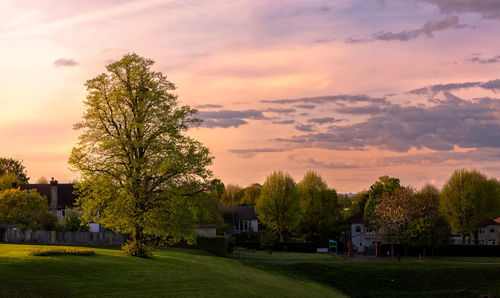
(94, 227)
(322, 250)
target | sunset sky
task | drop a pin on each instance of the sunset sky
(351, 89)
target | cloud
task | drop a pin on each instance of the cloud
(280, 111)
(480, 60)
(65, 63)
(488, 9)
(450, 122)
(492, 85)
(330, 165)
(284, 122)
(304, 127)
(208, 106)
(251, 152)
(328, 99)
(306, 106)
(323, 120)
(229, 118)
(427, 29)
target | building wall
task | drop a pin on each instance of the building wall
(206, 232)
(362, 237)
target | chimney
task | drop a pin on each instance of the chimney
(53, 196)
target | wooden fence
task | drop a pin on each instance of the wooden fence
(54, 237)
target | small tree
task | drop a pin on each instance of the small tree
(421, 233)
(26, 210)
(384, 185)
(42, 180)
(73, 222)
(251, 194)
(468, 200)
(13, 166)
(278, 205)
(267, 240)
(319, 209)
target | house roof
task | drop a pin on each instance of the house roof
(357, 218)
(241, 212)
(65, 196)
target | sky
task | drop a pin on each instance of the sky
(353, 89)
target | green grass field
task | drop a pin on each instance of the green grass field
(171, 272)
(398, 279)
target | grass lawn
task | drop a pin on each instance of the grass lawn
(397, 279)
(278, 256)
(171, 272)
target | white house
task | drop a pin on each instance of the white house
(361, 236)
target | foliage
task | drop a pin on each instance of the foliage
(23, 209)
(428, 198)
(422, 232)
(384, 185)
(42, 180)
(267, 239)
(251, 194)
(232, 195)
(204, 210)
(278, 205)
(139, 169)
(394, 212)
(318, 206)
(73, 222)
(8, 181)
(217, 189)
(468, 200)
(216, 245)
(13, 166)
(60, 251)
(49, 222)
(357, 204)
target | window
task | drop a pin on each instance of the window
(482, 231)
(368, 230)
(481, 241)
(491, 241)
(63, 212)
(492, 229)
(358, 229)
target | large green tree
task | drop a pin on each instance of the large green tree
(468, 200)
(384, 185)
(319, 210)
(278, 204)
(139, 169)
(13, 166)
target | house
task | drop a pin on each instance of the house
(60, 196)
(362, 237)
(488, 234)
(242, 218)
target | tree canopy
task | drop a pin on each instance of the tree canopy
(13, 166)
(27, 210)
(278, 204)
(139, 169)
(385, 184)
(468, 200)
(318, 206)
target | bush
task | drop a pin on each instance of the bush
(60, 251)
(216, 245)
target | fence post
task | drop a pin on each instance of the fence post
(110, 238)
(53, 237)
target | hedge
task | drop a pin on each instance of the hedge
(219, 245)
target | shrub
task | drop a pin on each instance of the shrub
(60, 251)
(216, 245)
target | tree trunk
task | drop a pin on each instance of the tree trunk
(392, 249)
(137, 246)
(476, 242)
(463, 237)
